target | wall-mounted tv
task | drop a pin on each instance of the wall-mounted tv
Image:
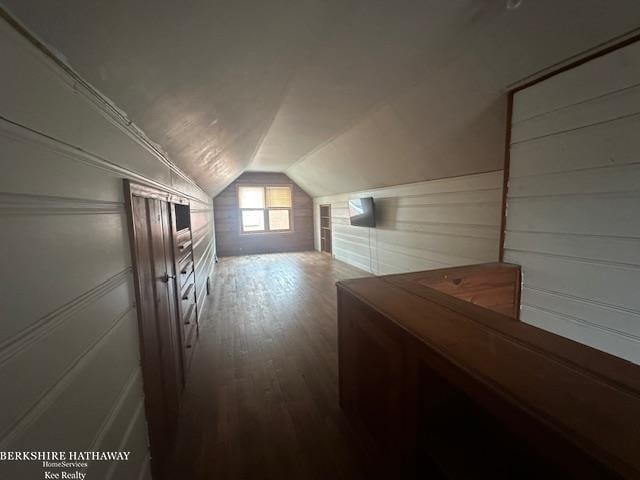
(362, 212)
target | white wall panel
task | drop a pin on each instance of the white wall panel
(598, 110)
(69, 353)
(596, 146)
(570, 89)
(573, 204)
(420, 226)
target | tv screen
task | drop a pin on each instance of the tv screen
(362, 212)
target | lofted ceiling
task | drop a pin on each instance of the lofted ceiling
(342, 95)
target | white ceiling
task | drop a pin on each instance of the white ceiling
(342, 95)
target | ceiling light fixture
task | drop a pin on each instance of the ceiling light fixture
(513, 4)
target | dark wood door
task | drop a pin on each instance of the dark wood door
(159, 335)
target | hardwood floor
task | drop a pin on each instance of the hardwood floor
(262, 394)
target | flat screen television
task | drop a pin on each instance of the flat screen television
(362, 212)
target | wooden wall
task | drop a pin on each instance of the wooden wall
(69, 353)
(420, 226)
(230, 241)
(573, 209)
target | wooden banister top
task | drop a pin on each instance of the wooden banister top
(589, 396)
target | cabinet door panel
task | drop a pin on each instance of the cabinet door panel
(371, 373)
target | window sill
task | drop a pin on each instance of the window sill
(267, 232)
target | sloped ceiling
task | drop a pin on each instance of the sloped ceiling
(342, 95)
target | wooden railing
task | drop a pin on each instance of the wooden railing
(438, 371)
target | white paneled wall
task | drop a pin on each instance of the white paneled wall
(573, 211)
(69, 359)
(420, 226)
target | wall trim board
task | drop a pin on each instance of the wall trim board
(446, 204)
(383, 246)
(40, 405)
(203, 310)
(42, 327)
(588, 302)
(25, 134)
(362, 266)
(134, 378)
(450, 235)
(578, 258)
(573, 318)
(505, 177)
(205, 254)
(433, 184)
(616, 43)
(579, 102)
(126, 436)
(622, 41)
(141, 190)
(27, 204)
(99, 101)
(574, 234)
(201, 288)
(575, 128)
(201, 235)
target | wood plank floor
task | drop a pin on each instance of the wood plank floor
(262, 394)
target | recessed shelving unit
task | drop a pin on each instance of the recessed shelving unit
(325, 228)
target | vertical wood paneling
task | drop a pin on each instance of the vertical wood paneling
(420, 226)
(69, 333)
(574, 197)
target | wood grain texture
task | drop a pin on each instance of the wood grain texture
(157, 326)
(495, 286)
(230, 240)
(566, 408)
(262, 401)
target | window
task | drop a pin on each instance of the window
(265, 209)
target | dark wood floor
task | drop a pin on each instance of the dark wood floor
(262, 398)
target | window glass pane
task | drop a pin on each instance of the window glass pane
(252, 220)
(278, 197)
(278, 219)
(251, 197)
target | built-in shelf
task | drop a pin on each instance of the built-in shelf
(325, 228)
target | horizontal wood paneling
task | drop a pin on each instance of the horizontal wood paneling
(69, 335)
(612, 214)
(228, 237)
(124, 415)
(605, 145)
(571, 88)
(599, 110)
(420, 226)
(572, 208)
(46, 249)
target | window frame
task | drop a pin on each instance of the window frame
(265, 210)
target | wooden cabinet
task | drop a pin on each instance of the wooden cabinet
(162, 252)
(370, 356)
(452, 385)
(186, 284)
